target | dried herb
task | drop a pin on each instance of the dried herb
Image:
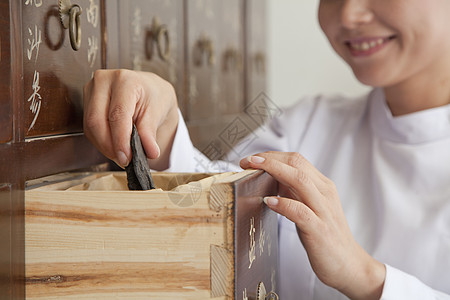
(138, 171)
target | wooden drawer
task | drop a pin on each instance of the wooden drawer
(87, 237)
(54, 73)
(214, 58)
(152, 39)
(256, 39)
(6, 103)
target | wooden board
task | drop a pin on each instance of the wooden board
(88, 237)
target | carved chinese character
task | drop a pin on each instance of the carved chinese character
(262, 238)
(136, 24)
(92, 13)
(244, 295)
(35, 99)
(92, 50)
(252, 248)
(37, 3)
(34, 42)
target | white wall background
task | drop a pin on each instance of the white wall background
(301, 62)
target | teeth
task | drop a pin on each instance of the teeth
(364, 46)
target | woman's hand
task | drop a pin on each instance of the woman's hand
(311, 201)
(115, 99)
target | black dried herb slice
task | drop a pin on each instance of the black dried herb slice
(138, 171)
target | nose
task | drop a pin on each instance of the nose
(355, 13)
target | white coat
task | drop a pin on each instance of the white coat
(393, 178)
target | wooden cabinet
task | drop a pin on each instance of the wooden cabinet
(41, 86)
(205, 48)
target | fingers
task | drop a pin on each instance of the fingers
(124, 96)
(294, 210)
(147, 129)
(113, 100)
(295, 160)
(95, 121)
(297, 181)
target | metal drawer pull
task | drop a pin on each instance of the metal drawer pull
(70, 19)
(203, 46)
(261, 293)
(232, 60)
(160, 34)
(260, 63)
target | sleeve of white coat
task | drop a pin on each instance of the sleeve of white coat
(184, 157)
(402, 286)
(279, 133)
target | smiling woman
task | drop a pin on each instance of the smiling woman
(413, 54)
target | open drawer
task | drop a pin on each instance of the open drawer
(198, 236)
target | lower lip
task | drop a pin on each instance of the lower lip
(370, 51)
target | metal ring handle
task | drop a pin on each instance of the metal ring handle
(70, 19)
(75, 26)
(203, 46)
(232, 60)
(260, 63)
(272, 296)
(163, 34)
(262, 295)
(149, 44)
(210, 51)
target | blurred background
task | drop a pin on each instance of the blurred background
(300, 60)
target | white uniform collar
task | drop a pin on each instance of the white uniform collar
(414, 128)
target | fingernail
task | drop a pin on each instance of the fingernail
(122, 159)
(270, 201)
(158, 149)
(256, 159)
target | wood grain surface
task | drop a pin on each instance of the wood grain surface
(104, 244)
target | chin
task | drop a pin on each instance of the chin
(371, 78)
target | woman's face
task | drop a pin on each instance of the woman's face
(386, 42)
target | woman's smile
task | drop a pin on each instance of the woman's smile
(367, 45)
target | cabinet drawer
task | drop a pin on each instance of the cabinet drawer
(55, 73)
(151, 39)
(6, 103)
(214, 58)
(256, 49)
(199, 236)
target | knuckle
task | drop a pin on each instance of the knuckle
(98, 73)
(298, 212)
(117, 113)
(99, 76)
(122, 75)
(295, 159)
(301, 178)
(91, 121)
(330, 190)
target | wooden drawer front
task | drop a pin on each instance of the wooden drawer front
(54, 73)
(89, 237)
(256, 49)
(6, 120)
(151, 39)
(215, 53)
